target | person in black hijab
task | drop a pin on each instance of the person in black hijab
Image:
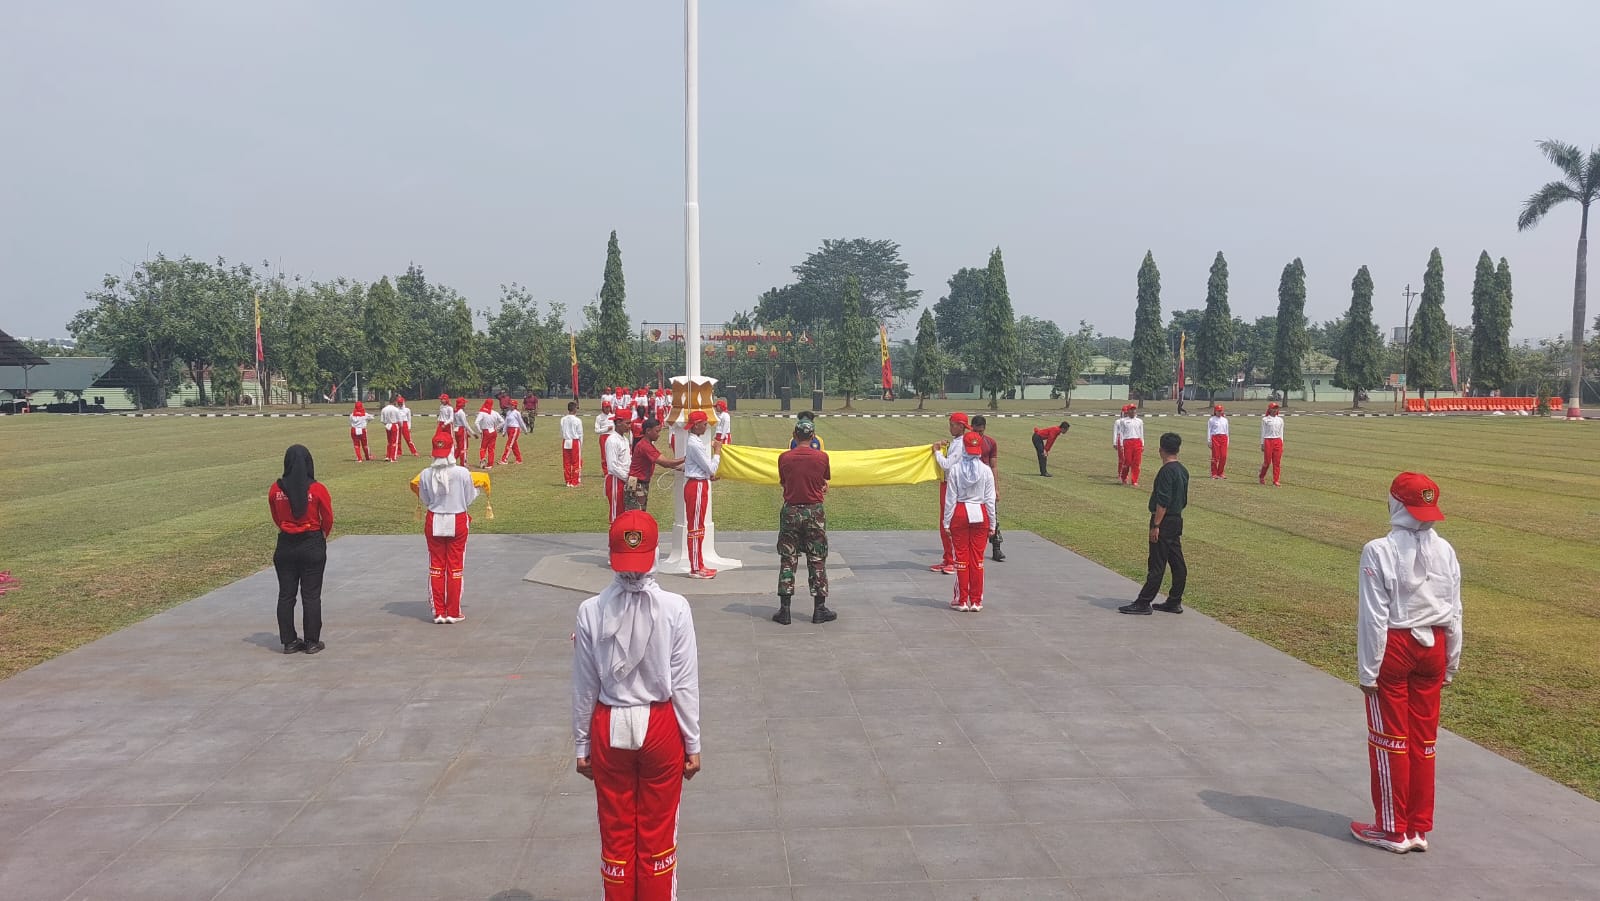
(303, 511)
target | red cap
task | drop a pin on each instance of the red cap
(722, 405)
(1217, 408)
(442, 445)
(698, 416)
(444, 398)
(460, 402)
(360, 408)
(1127, 407)
(960, 417)
(488, 407)
(606, 406)
(400, 398)
(633, 542)
(973, 442)
(1419, 494)
(1272, 405)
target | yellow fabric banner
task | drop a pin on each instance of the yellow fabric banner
(851, 469)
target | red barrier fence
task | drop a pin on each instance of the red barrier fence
(1476, 404)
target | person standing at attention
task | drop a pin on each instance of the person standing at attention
(359, 417)
(572, 446)
(969, 518)
(303, 512)
(1168, 497)
(947, 453)
(389, 417)
(1271, 444)
(1408, 642)
(1132, 444)
(514, 428)
(642, 466)
(446, 490)
(604, 428)
(699, 468)
(463, 429)
(1116, 444)
(724, 424)
(617, 459)
(803, 472)
(1043, 440)
(636, 714)
(447, 414)
(1217, 438)
(990, 456)
(530, 409)
(405, 427)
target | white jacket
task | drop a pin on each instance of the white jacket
(514, 421)
(1409, 579)
(1132, 427)
(619, 457)
(969, 482)
(1271, 427)
(489, 423)
(571, 428)
(359, 423)
(389, 415)
(603, 424)
(1216, 425)
(447, 415)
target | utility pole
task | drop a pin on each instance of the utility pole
(1405, 349)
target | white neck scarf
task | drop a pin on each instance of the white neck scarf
(439, 474)
(627, 620)
(1413, 543)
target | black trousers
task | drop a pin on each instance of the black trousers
(1166, 551)
(1038, 451)
(300, 560)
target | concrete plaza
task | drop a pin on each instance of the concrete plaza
(1045, 748)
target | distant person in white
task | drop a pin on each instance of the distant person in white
(636, 714)
(572, 446)
(1217, 438)
(389, 416)
(1408, 647)
(618, 459)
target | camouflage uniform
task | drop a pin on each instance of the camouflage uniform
(803, 529)
(636, 497)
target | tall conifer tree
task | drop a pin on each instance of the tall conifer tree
(613, 364)
(927, 364)
(997, 342)
(1289, 352)
(851, 343)
(1485, 298)
(1428, 358)
(1214, 344)
(380, 325)
(1360, 344)
(1151, 368)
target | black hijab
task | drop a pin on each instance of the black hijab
(298, 474)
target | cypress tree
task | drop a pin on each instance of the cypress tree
(1214, 343)
(1428, 358)
(852, 343)
(1503, 371)
(1289, 351)
(1360, 344)
(927, 364)
(613, 348)
(380, 325)
(997, 341)
(1485, 297)
(1151, 368)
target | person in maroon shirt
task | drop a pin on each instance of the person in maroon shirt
(646, 457)
(991, 452)
(530, 409)
(303, 512)
(802, 528)
(1043, 440)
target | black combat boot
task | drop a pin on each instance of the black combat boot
(821, 614)
(994, 542)
(782, 616)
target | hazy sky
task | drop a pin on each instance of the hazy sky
(501, 141)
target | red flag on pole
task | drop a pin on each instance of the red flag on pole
(1455, 381)
(572, 343)
(259, 355)
(1183, 338)
(883, 349)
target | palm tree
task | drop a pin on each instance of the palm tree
(1581, 182)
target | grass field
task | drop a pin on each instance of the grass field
(105, 520)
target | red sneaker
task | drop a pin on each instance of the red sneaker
(1369, 834)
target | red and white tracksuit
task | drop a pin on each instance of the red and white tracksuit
(724, 427)
(969, 518)
(1217, 434)
(572, 449)
(390, 417)
(618, 459)
(514, 429)
(637, 795)
(358, 436)
(946, 460)
(447, 558)
(699, 466)
(1408, 644)
(1271, 448)
(405, 431)
(1132, 432)
(461, 434)
(489, 423)
(604, 427)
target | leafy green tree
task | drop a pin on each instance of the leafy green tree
(380, 321)
(1428, 356)
(1580, 183)
(1213, 346)
(339, 316)
(140, 321)
(460, 344)
(997, 339)
(1038, 349)
(613, 351)
(1151, 369)
(1076, 351)
(513, 348)
(299, 360)
(958, 316)
(851, 343)
(927, 364)
(820, 279)
(1289, 351)
(422, 309)
(1253, 346)
(1360, 356)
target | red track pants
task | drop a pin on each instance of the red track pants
(572, 462)
(637, 793)
(359, 441)
(486, 448)
(696, 497)
(616, 491)
(461, 446)
(405, 435)
(1271, 456)
(971, 540)
(1132, 459)
(604, 436)
(1402, 725)
(513, 445)
(446, 565)
(392, 439)
(1219, 455)
(944, 534)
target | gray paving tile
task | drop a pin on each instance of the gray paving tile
(732, 810)
(1239, 846)
(114, 829)
(30, 876)
(166, 874)
(871, 891)
(732, 860)
(852, 854)
(467, 818)
(945, 803)
(247, 825)
(351, 821)
(278, 781)
(1319, 884)
(864, 804)
(1147, 888)
(327, 871)
(1088, 850)
(410, 779)
(981, 852)
(1069, 800)
(446, 870)
(1059, 760)
(1010, 889)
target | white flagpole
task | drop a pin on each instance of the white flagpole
(691, 196)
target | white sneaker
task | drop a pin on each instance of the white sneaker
(1417, 841)
(438, 620)
(975, 607)
(454, 619)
